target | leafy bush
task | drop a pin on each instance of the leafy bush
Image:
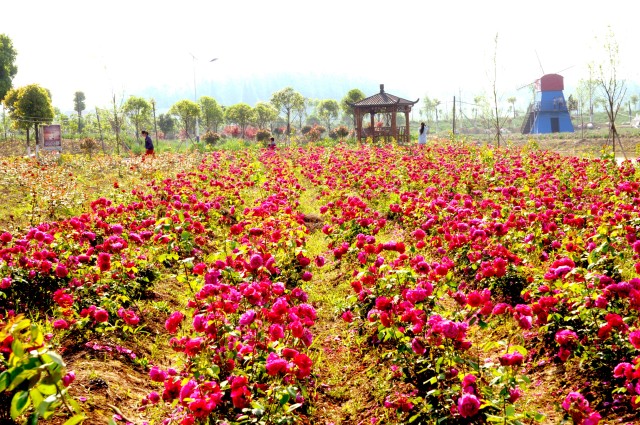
(88, 145)
(263, 135)
(211, 138)
(339, 132)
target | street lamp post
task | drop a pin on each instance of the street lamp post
(195, 93)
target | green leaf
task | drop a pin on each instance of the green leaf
(36, 397)
(25, 374)
(47, 389)
(19, 404)
(539, 417)
(520, 349)
(74, 404)
(284, 399)
(75, 420)
(17, 348)
(510, 411)
(33, 419)
(55, 357)
(37, 337)
(21, 325)
(5, 379)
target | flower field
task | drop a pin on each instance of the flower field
(346, 284)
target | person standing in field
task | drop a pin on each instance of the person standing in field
(422, 135)
(272, 143)
(148, 143)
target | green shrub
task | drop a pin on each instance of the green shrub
(211, 138)
(263, 135)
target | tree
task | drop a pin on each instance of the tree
(264, 114)
(436, 103)
(138, 110)
(572, 103)
(613, 89)
(585, 93)
(512, 101)
(285, 101)
(428, 107)
(79, 106)
(29, 106)
(300, 108)
(478, 101)
(8, 68)
(167, 124)
(186, 111)
(328, 111)
(498, 121)
(352, 96)
(634, 101)
(212, 113)
(240, 114)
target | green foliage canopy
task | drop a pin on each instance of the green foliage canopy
(8, 68)
(287, 100)
(212, 113)
(186, 111)
(138, 110)
(29, 106)
(240, 114)
(352, 96)
(167, 124)
(328, 111)
(264, 114)
(79, 106)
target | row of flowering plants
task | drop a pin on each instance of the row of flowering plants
(451, 246)
(230, 238)
(245, 332)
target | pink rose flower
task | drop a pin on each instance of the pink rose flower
(468, 405)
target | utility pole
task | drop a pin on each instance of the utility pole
(100, 129)
(454, 116)
(155, 124)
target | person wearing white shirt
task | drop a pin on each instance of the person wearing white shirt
(422, 135)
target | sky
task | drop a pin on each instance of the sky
(416, 48)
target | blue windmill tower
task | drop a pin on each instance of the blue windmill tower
(548, 113)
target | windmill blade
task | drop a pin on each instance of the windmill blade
(539, 63)
(527, 85)
(562, 70)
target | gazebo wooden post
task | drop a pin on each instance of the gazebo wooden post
(358, 123)
(373, 128)
(407, 133)
(394, 126)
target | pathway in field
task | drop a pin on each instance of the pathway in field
(349, 387)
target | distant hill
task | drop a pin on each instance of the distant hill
(259, 88)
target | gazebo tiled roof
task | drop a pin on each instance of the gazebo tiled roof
(383, 99)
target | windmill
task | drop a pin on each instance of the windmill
(548, 113)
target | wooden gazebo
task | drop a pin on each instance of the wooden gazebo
(383, 103)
